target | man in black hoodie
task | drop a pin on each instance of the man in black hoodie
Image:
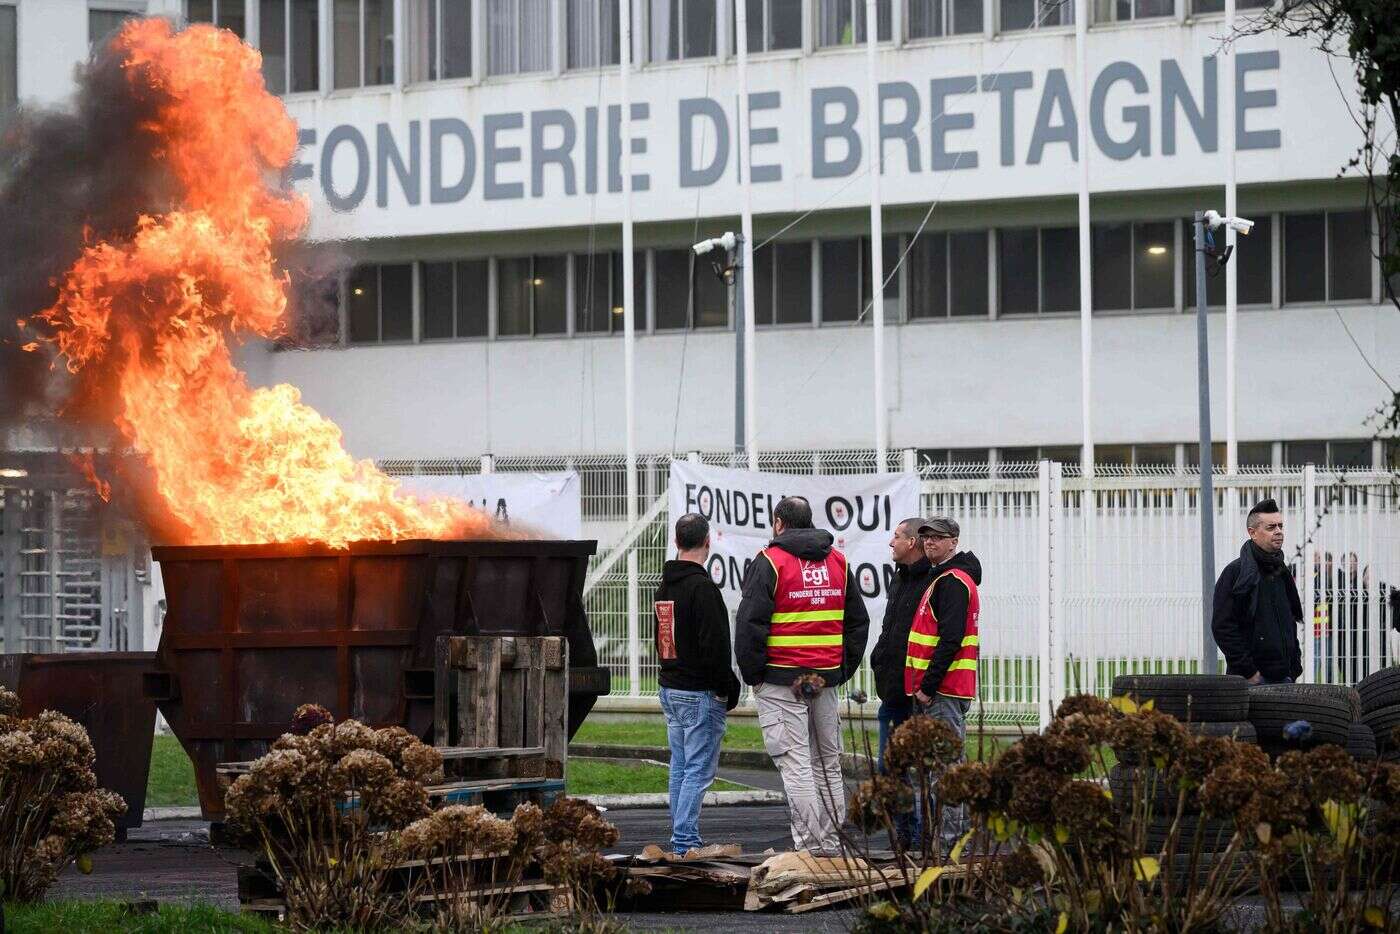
(698, 686)
(800, 632)
(1256, 608)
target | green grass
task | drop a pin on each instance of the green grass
(171, 783)
(601, 777)
(74, 917)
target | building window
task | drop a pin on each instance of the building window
(455, 299)
(380, 303)
(681, 29)
(1037, 270)
(1133, 265)
(598, 306)
(226, 14)
(840, 272)
(289, 38)
(532, 295)
(1119, 11)
(931, 18)
(1249, 453)
(948, 275)
(9, 60)
(1327, 257)
(518, 36)
(439, 39)
(688, 293)
(594, 33)
(842, 22)
(1218, 6)
(103, 23)
(1253, 260)
(1035, 14)
(889, 256)
(362, 34)
(1349, 455)
(773, 25)
(782, 285)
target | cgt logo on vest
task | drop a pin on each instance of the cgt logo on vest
(815, 575)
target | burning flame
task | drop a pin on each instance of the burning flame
(143, 320)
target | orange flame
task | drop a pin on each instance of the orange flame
(143, 321)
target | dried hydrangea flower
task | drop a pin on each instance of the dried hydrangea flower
(968, 783)
(1088, 705)
(308, 717)
(1022, 869)
(1084, 810)
(9, 702)
(923, 743)
(1032, 796)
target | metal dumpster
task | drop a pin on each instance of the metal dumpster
(103, 692)
(253, 631)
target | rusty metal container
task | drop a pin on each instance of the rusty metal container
(253, 631)
(103, 692)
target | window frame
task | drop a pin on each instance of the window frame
(1280, 223)
(420, 299)
(1178, 281)
(411, 28)
(129, 9)
(8, 106)
(288, 60)
(600, 63)
(218, 5)
(945, 14)
(651, 60)
(994, 9)
(1173, 16)
(552, 51)
(415, 327)
(812, 12)
(533, 333)
(788, 50)
(328, 7)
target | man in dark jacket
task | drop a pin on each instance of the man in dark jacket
(1257, 611)
(698, 685)
(912, 575)
(802, 616)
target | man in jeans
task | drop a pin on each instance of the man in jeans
(698, 685)
(800, 632)
(940, 669)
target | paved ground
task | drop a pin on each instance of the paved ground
(172, 860)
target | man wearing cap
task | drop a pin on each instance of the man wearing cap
(940, 668)
(1256, 608)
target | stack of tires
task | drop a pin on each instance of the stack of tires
(1379, 694)
(1329, 709)
(1211, 705)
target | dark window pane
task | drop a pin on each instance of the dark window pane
(345, 43)
(103, 23)
(1155, 455)
(925, 18)
(1349, 255)
(379, 42)
(1254, 256)
(968, 261)
(968, 456)
(456, 38)
(1208, 6)
(1112, 455)
(1154, 245)
(396, 302)
(1303, 257)
(1255, 454)
(882, 13)
(1112, 258)
(1148, 8)
(1300, 453)
(699, 28)
(1353, 455)
(711, 296)
(1017, 14)
(9, 60)
(551, 299)
(1065, 453)
(439, 313)
(763, 285)
(199, 11)
(672, 288)
(1017, 262)
(1059, 268)
(754, 11)
(928, 276)
(513, 284)
(967, 17)
(362, 297)
(835, 26)
(1018, 455)
(305, 51)
(794, 282)
(473, 298)
(1217, 455)
(784, 24)
(272, 43)
(592, 293)
(840, 279)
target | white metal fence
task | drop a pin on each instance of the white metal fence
(1085, 578)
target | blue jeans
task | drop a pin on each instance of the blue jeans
(694, 727)
(908, 825)
(952, 711)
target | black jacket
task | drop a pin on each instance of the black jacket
(950, 600)
(701, 633)
(887, 658)
(1254, 641)
(756, 614)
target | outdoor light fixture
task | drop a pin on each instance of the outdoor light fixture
(13, 473)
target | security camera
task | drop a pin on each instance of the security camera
(1237, 224)
(725, 242)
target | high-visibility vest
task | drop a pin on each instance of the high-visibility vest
(809, 609)
(961, 679)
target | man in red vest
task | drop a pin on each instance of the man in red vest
(940, 668)
(802, 614)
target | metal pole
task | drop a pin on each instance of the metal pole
(743, 288)
(1232, 446)
(1086, 279)
(877, 230)
(1207, 501)
(736, 314)
(629, 340)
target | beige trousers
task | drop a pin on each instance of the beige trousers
(804, 739)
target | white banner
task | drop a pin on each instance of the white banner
(860, 510)
(546, 502)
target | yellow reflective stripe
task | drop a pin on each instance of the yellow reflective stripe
(810, 616)
(919, 663)
(919, 638)
(805, 640)
(970, 640)
(966, 664)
